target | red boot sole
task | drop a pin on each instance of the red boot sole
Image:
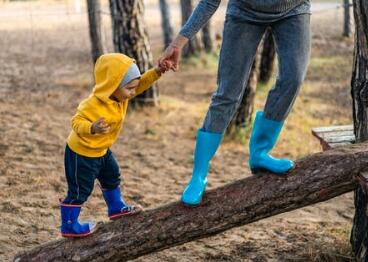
(77, 235)
(116, 216)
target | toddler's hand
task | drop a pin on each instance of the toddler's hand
(100, 127)
(164, 66)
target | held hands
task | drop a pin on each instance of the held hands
(100, 127)
(171, 55)
(163, 67)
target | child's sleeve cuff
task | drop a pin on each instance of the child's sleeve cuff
(81, 126)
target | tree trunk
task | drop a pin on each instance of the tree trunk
(243, 115)
(131, 38)
(95, 29)
(359, 92)
(347, 21)
(315, 178)
(206, 37)
(267, 58)
(193, 46)
(165, 23)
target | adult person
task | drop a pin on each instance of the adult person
(245, 24)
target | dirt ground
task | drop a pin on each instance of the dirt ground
(45, 71)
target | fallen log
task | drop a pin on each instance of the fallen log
(316, 178)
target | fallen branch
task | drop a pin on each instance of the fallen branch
(316, 178)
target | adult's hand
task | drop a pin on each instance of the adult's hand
(172, 52)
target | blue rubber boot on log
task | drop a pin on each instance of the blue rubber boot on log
(70, 226)
(115, 204)
(206, 147)
(263, 138)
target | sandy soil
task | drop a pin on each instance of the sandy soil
(45, 72)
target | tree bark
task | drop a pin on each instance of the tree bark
(95, 29)
(131, 38)
(316, 178)
(347, 21)
(206, 37)
(243, 115)
(267, 58)
(165, 23)
(193, 46)
(359, 92)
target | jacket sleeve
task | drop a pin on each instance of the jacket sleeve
(200, 16)
(146, 81)
(81, 123)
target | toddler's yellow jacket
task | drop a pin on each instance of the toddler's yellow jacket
(110, 70)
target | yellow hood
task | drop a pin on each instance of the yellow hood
(110, 70)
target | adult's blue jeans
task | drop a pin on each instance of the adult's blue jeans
(240, 41)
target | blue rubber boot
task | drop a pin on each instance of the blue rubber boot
(116, 205)
(70, 226)
(206, 146)
(263, 138)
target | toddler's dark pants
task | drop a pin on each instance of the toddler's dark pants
(81, 172)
